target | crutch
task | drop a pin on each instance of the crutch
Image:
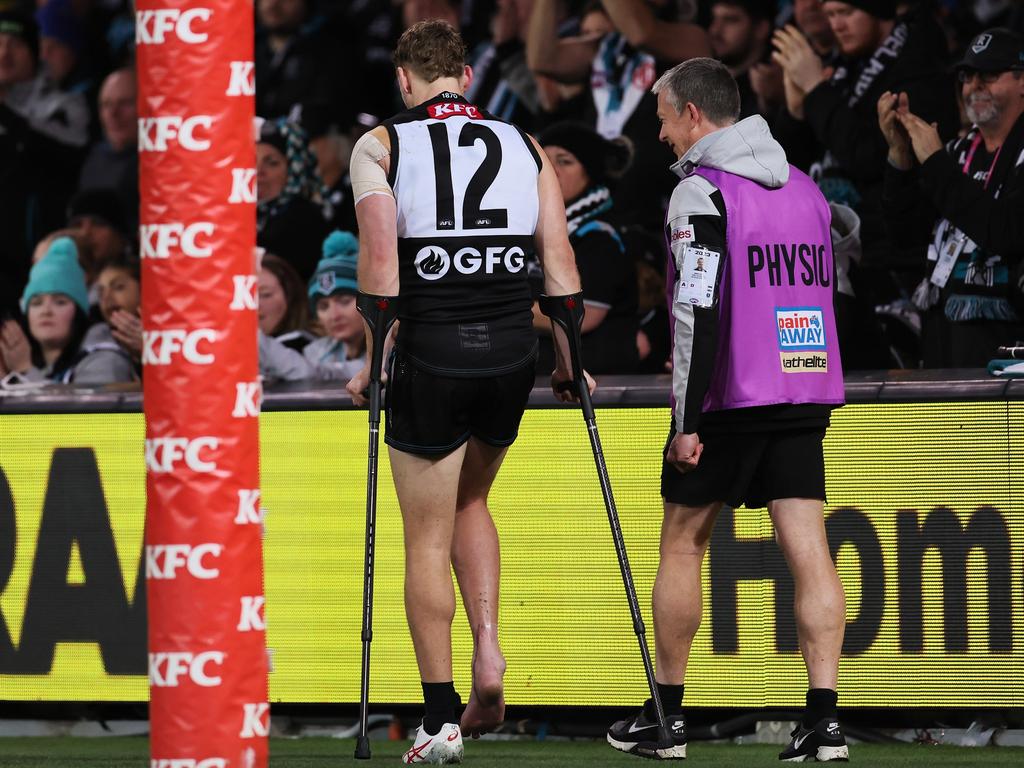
(379, 312)
(567, 312)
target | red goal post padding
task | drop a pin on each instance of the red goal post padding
(204, 569)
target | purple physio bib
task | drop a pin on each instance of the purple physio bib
(777, 337)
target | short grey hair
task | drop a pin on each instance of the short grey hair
(707, 84)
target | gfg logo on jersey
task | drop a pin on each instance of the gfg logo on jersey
(151, 27)
(164, 560)
(188, 762)
(159, 347)
(156, 133)
(158, 240)
(800, 328)
(164, 453)
(166, 669)
(433, 262)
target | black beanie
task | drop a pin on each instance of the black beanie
(601, 159)
(272, 134)
(22, 26)
(880, 9)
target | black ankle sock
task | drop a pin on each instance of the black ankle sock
(671, 701)
(821, 702)
(439, 703)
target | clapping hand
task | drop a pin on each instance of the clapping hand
(15, 352)
(766, 83)
(890, 106)
(798, 60)
(924, 137)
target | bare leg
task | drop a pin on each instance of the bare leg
(685, 532)
(820, 605)
(475, 556)
(427, 491)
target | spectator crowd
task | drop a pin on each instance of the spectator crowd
(908, 115)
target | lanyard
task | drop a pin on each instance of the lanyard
(970, 157)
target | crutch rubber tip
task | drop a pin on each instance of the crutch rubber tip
(363, 748)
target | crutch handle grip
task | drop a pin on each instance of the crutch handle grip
(567, 312)
(380, 313)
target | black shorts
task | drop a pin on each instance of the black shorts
(427, 413)
(750, 468)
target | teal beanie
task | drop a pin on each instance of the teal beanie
(58, 272)
(336, 271)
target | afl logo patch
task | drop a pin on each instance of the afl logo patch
(432, 262)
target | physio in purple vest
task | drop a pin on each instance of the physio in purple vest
(756, 373)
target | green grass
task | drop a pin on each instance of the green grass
(328, 753)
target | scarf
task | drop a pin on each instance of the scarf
(587, 207)
(880, 62)
(303, 177)
(620, 77)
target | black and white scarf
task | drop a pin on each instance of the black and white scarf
(881, 61)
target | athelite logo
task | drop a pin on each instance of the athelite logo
(432, 262)
(802, 342)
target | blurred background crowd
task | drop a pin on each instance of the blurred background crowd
(907, 115)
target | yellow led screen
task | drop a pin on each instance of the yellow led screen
(926, 516)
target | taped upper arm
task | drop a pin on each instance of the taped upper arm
(370, 163)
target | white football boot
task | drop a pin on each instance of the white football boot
(443, 748)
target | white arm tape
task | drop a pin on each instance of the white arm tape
(365, 169)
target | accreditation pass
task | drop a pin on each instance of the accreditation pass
(697, 277)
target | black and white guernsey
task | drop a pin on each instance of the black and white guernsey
(466, 188)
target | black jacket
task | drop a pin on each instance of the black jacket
(296, 234)
(842, 112)
(932, 204)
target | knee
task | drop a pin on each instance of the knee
(683, 547)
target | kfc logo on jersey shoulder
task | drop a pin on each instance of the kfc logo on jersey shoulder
(443, 110)
(167, 669)
(152, 27)
(188, 762)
